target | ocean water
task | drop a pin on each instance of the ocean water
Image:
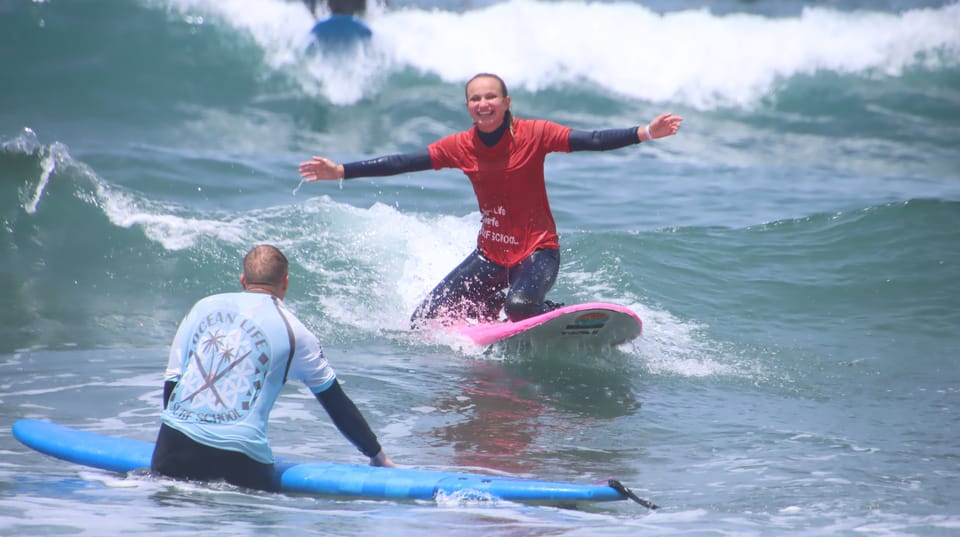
(794, 252)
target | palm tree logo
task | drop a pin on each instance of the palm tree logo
(221, 361)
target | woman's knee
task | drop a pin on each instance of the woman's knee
(519, 306)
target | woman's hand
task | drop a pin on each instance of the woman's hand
(662, 126)
(320, 168)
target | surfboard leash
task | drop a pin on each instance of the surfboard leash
(619, 487)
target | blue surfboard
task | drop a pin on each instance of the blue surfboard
(124, 455)
(339, 32)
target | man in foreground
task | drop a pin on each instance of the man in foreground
(231, 356)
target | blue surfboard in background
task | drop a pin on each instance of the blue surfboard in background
(339, 31)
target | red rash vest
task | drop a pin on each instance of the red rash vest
(509, 183)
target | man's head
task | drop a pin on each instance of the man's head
(355, 8)
(265, 268)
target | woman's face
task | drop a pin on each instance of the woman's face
(486, 103)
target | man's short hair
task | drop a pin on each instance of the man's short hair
(265, 265)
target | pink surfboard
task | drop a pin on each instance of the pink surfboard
(591, 323)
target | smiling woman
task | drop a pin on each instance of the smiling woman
(488, 102)
(518, 248)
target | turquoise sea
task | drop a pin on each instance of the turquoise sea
(794, 253)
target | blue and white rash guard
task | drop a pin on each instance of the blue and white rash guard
(231, 356)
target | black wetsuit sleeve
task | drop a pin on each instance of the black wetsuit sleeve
(603, 140)
(168, 387)
(348, 419)
(389, 165)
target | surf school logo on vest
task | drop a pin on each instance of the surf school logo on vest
(226, 368)
(588, 323)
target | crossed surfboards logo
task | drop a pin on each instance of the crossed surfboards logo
(221, 357)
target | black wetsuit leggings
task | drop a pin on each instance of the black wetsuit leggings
(179, 456)
(474, 290)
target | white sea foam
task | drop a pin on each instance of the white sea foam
(696, 57)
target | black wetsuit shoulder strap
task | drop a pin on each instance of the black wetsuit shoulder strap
(292, 338)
